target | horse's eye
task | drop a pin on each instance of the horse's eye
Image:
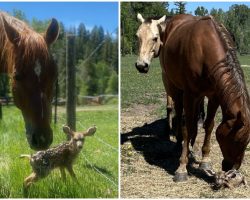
(155, 39)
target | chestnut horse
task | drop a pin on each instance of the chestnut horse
(198, 59)
(25, 56)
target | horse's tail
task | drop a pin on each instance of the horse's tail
(25, 156)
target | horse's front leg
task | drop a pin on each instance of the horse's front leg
(191, 108)
(208, 126)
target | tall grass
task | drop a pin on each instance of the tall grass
(96, 167)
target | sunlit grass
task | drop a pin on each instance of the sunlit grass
(96, 167)
(137, 88)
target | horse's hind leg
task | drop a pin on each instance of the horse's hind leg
(208, 126)
(202, 111)
(170, 107)
(179, 118)
(191, 108)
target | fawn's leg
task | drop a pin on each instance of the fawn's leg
(63, 173)
(72, 173)
(33, 177)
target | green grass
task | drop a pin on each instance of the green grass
(101, 152)
(140, 88)
(147, 88)
(244, 60)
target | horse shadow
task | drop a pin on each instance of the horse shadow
(153, 142)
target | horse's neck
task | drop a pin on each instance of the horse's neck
(240, 107)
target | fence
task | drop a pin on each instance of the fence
(109, 148)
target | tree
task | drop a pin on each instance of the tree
(219, 15)
(237, 22)
(20, 15)
(112, 84)
(82, 38)
(201, 11)
(129, 23)
(180, 7)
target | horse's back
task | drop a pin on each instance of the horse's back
(191, 47)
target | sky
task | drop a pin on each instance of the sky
(191, 6)
(103, 14)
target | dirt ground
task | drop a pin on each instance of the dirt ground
(149, 160)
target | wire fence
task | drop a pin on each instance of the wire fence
(99, 172)
(109, 147)
(100, 140)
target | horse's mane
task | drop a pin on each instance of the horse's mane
(31, 44)
(234, 86)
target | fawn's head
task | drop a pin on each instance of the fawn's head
(77, 138)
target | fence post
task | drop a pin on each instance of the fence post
(70, 82)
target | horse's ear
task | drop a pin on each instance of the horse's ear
(52, 32)
(11, 32)
(161, 20)
(140, 18)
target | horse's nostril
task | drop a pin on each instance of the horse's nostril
(40, 140)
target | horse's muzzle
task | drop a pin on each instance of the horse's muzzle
(142, 68)
(39, 138)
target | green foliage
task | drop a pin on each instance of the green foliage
(19, 15)
(94, 52)
(180, 7)
(236, 20)
(129, 22)
(4, 85)
(100, 156)
(201, 11)
(112, 87)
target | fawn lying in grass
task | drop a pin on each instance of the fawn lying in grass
(230, 179)
(61, 156)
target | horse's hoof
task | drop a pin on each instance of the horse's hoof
(205, 166)
(180, 177)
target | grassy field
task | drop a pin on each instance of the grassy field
(96, 167)
(148, 160)
(140, 88)
(147, 88)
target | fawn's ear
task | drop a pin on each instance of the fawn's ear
(210, 172)
(67, 130)
(90, 131)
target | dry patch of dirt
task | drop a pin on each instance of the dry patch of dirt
(149, 160)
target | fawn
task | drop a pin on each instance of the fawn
(61, 156)
(230, 179)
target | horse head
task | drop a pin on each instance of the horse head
(34, 73)
(149, 37)
(233, 137)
